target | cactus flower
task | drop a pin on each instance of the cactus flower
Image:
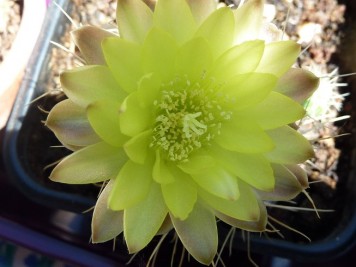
(186, 116)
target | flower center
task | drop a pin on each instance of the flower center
(188, 117)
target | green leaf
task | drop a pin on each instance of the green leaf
(92, 164)
(88, 39)
(248, 89)
(291, 147)
(217, 181)
(159, 53)
(134, 19)
(243, 58)
(137, 147)
(297, 84)
(69, 123)
(106, 223)
(248, 21)
(180, 196)
(217, 29)
(198, 233)
(175, 17)
(194, 58)
(274, 111)
(243, 136)
(144, 220)
(278, 57)
(87, 84)
(131, 185)
(244, 208)
(134, 118)
(104, 118)
(124, 60)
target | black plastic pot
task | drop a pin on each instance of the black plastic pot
(25, 131)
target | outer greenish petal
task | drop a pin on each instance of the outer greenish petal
(243, 58)
(69, 123)
(291, 146)
(287, 185)
(175, 17)
(248, 20)
(244, 208)
(248, 89)
(297, 84)
(180, 196)
(166, 226)
(201, 9)
(92, 164)
(243, 136)
(87, 84)
(217, 29)
(134, 118)
(198, 233)
(254, 169)
(275, 111)
(124, 60)
(159, 53)
(106, 223)
(143, 221)
(252, 226)
(218, 181)
(134, 19)
(162, 170)
(104, 118)
(278, 57)
(194, 59)
(131, 186)
(299, 173)
(88, 39)
(137, 147)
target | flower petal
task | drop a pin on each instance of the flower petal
(194, 58)
(287, 185)
(217, 29)
(87, 84)
(69, 123)
(275, 111)
(175, 17)
(162, 170)
(180, 196)
(252, 226)
(148, 89)
(297, 84)
(249, 89)
(92, 164)
(278, 57)
(143, 221)
(291, 146)
(299, 173)
(124, 60)
(134, 19)
(253, 169)
(131, 186)
(88, 39)
(134, 118)
(198, 233)
(244, 208)
(106, 223)
(159, 53)
(248, 21)
(243, 58)
(104, 118)
(137, 147)
(218, 181)
(201, 9)
(243, 136)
